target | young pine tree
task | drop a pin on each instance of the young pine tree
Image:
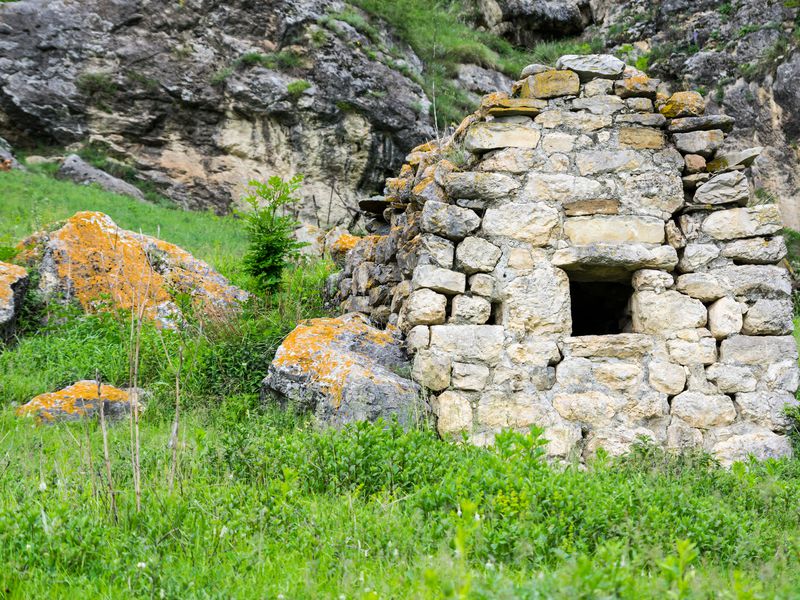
(270, 231)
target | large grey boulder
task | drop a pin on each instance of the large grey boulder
(74, 168)
(343, 370)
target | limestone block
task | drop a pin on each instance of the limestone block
(703, 410)
(683, 104)
(616, 440)
(558, 142)
(435, 250)
(537, 303)
(659, 313)
(782, 376)
(706, 287)
(644, 105)
(425, 307)
(686, 352)
(581, 208)
(681, 436)
(617, 375)
(675, 237)
(520, 259)
(581, 122)
(574, 372)
(534, 352)
(475, 255)
(623, 345)
(591, 162)
(766, 408)
(653, 193)
(726, 188)
(756, 281)
(757, 350)
(503, 108)
(630, 257)
(532, 223)
(482, 285)
(636, 85)
(694, 163)
(592, 66)
(704, 143)
(591, 407)
(499, 410)
(453, 412)
(697, 381)
(487, 186)
(511, 160)
(446, 220)
(730, 379)
(697, 256)
(651, 280)
(757, 251)
(492, 135)
(599, 105)
(469, 343)
(431, 370)
(551, 84)
(641, 138)
(439, 280)
(724, 318)
(532, 69)
(557, 187)
(469, 377)
(743, 222)
(418, 338)
(723, 122)
(472, 310)
(427, 190)
(666, 377)
(643, 119)
(769, 317)
(759, 443)
(401, 292)
(614, 229)
(598, 87)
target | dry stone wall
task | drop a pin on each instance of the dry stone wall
(582, 255)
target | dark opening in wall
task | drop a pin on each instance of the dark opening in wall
(599, 307)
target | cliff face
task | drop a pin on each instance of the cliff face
(202, 96)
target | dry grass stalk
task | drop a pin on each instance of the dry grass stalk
(106, 454)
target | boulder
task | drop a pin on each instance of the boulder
(74, 168)
(13, 285)
(343, 370)
(81, 400)
(92, 260)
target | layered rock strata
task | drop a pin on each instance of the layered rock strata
(582, 255)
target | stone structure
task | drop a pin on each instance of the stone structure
(581, 255)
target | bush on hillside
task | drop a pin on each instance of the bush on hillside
(272, 245)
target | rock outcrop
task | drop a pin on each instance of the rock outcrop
(74, 168)
(344, 370)
(89, 259)
(7, 159)
(582, 256)
(81, 401)
(200, 97)
(13, 285)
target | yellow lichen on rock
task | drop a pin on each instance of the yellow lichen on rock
(76, 401)
(9, 276)
(683, 104)
(92, 260)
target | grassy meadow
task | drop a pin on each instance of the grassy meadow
(265, 506)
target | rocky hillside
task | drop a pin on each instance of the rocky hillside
(198, 97)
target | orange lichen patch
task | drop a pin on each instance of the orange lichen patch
(73, 402)
(683, 104)
(9, 276)
(98, 264)
(398, 188)
(426, 147)
(343, 244)
(323, 350)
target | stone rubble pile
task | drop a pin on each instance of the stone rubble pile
(582, 255)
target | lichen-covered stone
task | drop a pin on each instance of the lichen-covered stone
(591, 66)
(704, 143)
(743, 222)
(683, 104)
(551, 84)
(81, 400)
(448, 221)
(343, 370)
(476, 255)
(487, 186)
(92, 260)
(726, 188)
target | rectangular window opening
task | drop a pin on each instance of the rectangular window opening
(600, 307)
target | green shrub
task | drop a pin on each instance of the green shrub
(270, 232)
(296, 88)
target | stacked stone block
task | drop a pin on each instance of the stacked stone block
(587, 173)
